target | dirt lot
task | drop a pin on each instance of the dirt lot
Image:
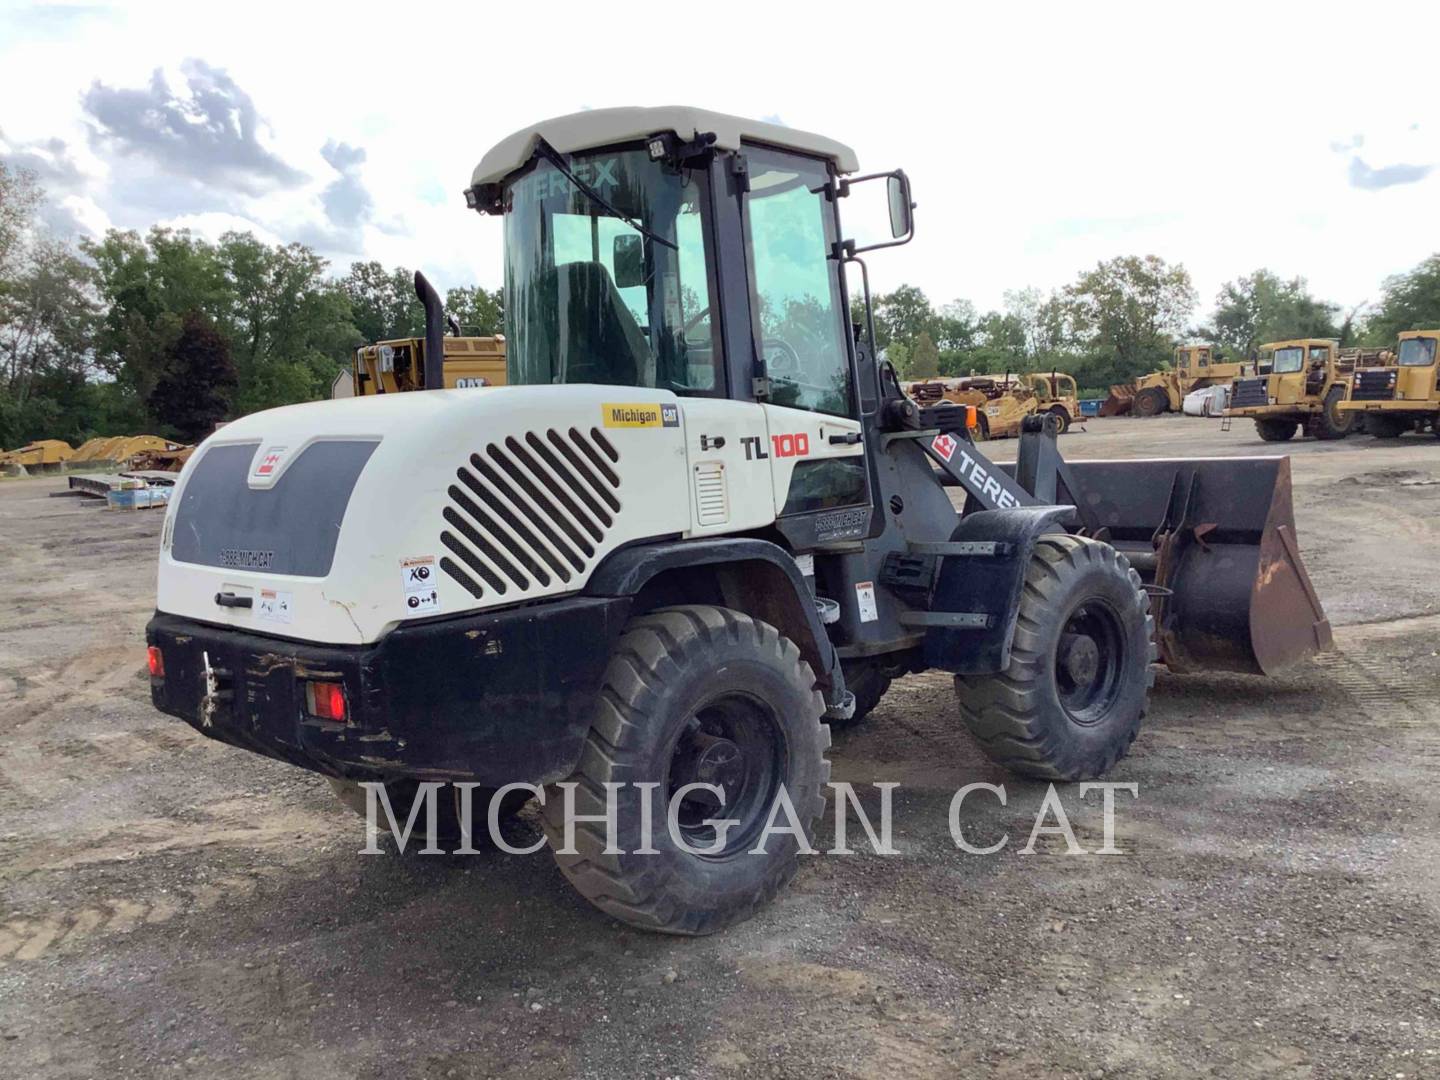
(172, 906)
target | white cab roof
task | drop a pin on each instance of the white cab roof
(602, 127)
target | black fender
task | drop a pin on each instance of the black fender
(982, 582)
(755, 576)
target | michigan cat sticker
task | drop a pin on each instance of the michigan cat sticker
(639, 414)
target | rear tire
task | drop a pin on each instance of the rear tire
(1152, 401)
(1069, 703)
(1276, 429)
(1385, 427)
(1331, 423)
(695, 693)
(982, 426)
(1063, 415)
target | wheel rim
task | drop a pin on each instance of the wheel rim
(1089, 661)
(735, 743)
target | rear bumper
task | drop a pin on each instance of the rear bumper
(493, 698)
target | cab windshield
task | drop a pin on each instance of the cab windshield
(1417, 352)
(1288, 360)
(589, 298)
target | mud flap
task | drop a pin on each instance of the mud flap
(1214, 538)
(971, 621)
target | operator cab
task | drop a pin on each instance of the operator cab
(679, 250)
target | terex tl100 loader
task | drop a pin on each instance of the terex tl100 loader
(699, 523)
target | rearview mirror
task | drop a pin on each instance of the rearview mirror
(898, 189)
(901, 206)
(629, 261)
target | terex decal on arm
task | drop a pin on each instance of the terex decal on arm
(994, 488)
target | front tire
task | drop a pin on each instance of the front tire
(1276, 429)
(1385, 427)
(1061, 414)
(695, 694)
(1151, 401)
(1069, 703)
(1331, 423)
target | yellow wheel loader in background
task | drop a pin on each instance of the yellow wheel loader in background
(1196, 367)
(1403, 396)
(1302, 386)
(390, 367)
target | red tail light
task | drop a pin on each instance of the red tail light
(156, 659)
(326, 700)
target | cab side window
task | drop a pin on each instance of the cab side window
(795, 284)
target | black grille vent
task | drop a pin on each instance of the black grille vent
(529, 512)
(1374, 385)
(1248, 393)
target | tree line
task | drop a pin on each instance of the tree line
(1123, 318)
(167, 333)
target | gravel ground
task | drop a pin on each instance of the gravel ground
(170, 906)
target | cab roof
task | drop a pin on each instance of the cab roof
(604, 127)
(1300, 341)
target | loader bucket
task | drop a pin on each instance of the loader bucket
(1214, 539)
(1120, 400)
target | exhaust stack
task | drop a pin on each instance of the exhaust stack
(434, 332)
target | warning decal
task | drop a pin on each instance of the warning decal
(417, 578)
(865, 600)
(275, 606)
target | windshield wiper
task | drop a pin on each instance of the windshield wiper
(548, 152)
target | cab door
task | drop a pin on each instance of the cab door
(814, 447)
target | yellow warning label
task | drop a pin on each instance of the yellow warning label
(639, 414)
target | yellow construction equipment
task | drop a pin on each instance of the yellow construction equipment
(46, 455)
(1059, 396)
(1196, 366)
(121, 448)
(1400, 397)
(389, 367)
(1301, 386)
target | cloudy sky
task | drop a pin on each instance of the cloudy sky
(1040, 139)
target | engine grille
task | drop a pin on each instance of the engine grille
(712, 502)
(531, 511)
(1377, 384)
(1247, 393)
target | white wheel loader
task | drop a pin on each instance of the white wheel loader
(699, 525)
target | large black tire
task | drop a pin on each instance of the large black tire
(1063, 415)
(1385, 427)
(695, 693)
(449, 833)
(1152, 401)
(1276, 428)
(1332, 422)
(982, 425)
(1070, 702)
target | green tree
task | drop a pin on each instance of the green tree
(1261, 307)
(1411, 301)
(479, 311)
(194, 391)
(924, 357)
(1132, 308)
(383, 304)
(901, 316)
